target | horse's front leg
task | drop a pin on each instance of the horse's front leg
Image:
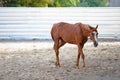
(80, 52)
(83, 59)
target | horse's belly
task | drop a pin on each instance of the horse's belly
(70, 39)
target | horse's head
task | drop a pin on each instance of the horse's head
(94, 35)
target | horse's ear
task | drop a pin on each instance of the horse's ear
(90, 27)
(96, 26)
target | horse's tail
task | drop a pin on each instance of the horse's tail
(52, 33)
(52, 36)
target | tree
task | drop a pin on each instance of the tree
(65, 3)
(26, 3)
(35, 3)
(93, 3)
(48, 3)
(1, 3)
(10, 3)
(54, 3)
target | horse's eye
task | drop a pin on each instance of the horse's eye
(93, 34)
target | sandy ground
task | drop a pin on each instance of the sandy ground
(36, 61)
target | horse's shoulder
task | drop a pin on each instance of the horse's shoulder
(78, 25)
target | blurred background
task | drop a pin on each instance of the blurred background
(59, 3)
(33, 19)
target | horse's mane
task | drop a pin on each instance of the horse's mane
(84, 27)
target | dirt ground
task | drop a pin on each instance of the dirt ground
(35, 60)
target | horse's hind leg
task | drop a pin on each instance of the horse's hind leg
(56, 48)
(61, 43)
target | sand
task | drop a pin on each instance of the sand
(35, 60)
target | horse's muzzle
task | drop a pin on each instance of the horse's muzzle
(95, 43)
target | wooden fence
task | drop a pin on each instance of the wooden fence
(35, 23)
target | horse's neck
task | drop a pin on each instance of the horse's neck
(86, 31)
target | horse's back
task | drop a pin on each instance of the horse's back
(65, 31)
(61, 27)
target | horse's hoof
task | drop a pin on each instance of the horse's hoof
(84, 67)
(57, 65)
(78, 67)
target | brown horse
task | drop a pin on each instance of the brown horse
(75, 34)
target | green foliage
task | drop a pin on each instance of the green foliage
(11, 3)
(93, 3)
(27, 3)
(54, 3)
(65, 3)
(35, 3)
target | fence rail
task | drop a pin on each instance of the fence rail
(35, 23)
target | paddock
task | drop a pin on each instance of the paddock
(26, 49)
(36, 61)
